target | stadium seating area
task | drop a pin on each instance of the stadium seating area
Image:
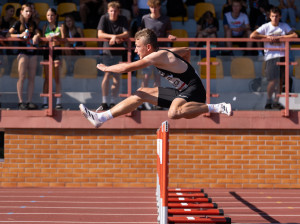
(78, 87)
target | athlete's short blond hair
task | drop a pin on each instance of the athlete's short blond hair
(148, 37)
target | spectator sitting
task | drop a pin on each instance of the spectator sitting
(114, 27)
(25, 28)
(288, 9)
(52, 31)
(91, 11)
(207, 26)
(161, 25)
(35, 14)
(236, 24)
(71, 31)
(5, 23)
(228, 7)
(264, 16)
(126, 9)
(255, 12)
(139, 9)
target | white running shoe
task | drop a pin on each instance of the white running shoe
(225, 108)
(90, 116)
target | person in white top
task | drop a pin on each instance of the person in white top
(236, 23)
(274, 31)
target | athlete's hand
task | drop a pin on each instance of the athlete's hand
(102, 67)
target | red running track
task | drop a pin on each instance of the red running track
(138, 205)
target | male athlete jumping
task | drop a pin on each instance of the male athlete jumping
(185, 100)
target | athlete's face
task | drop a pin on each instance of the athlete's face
(142, 49)
(275, 18)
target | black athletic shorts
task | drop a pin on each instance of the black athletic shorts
(195, 93)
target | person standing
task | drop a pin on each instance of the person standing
(161, 25)
(25, 28)
(113, 27)
(51, 30)
(274, 31)
(185, 100)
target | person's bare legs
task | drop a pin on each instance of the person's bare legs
(115, 87)
(57, 76)
(22, 68)
(105, 85)
(180, 108)
(128, 105)
(271, 88)
(228, 34)
(46, 79)
(31, 76)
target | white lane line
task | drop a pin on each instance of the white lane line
(82, 202)
(46, 196)
(256, 202)
(73, 214)
(101, 208)
(81, 222)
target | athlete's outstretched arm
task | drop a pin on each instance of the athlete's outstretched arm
(125, 67)
(183, 52)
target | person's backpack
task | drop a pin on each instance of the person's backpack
(176, 8)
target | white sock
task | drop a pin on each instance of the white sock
(58, 100)
(213, 108)
(105, 116)
(104, 99)
(45, 100)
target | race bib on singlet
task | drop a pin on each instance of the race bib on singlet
(176, 82)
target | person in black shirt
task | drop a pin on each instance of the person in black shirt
(26, 29)
(113, 27)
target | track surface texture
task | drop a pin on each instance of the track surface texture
(137, 205)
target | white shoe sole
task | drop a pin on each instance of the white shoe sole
(228, 107)
(89, 116)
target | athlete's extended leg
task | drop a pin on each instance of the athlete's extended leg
(182, 109)
(126, 106)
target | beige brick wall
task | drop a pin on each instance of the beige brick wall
(127, 158)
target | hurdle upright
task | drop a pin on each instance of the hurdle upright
(188, 202)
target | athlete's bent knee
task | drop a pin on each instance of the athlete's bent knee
(173, 114)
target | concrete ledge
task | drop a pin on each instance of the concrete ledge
(15, 119)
